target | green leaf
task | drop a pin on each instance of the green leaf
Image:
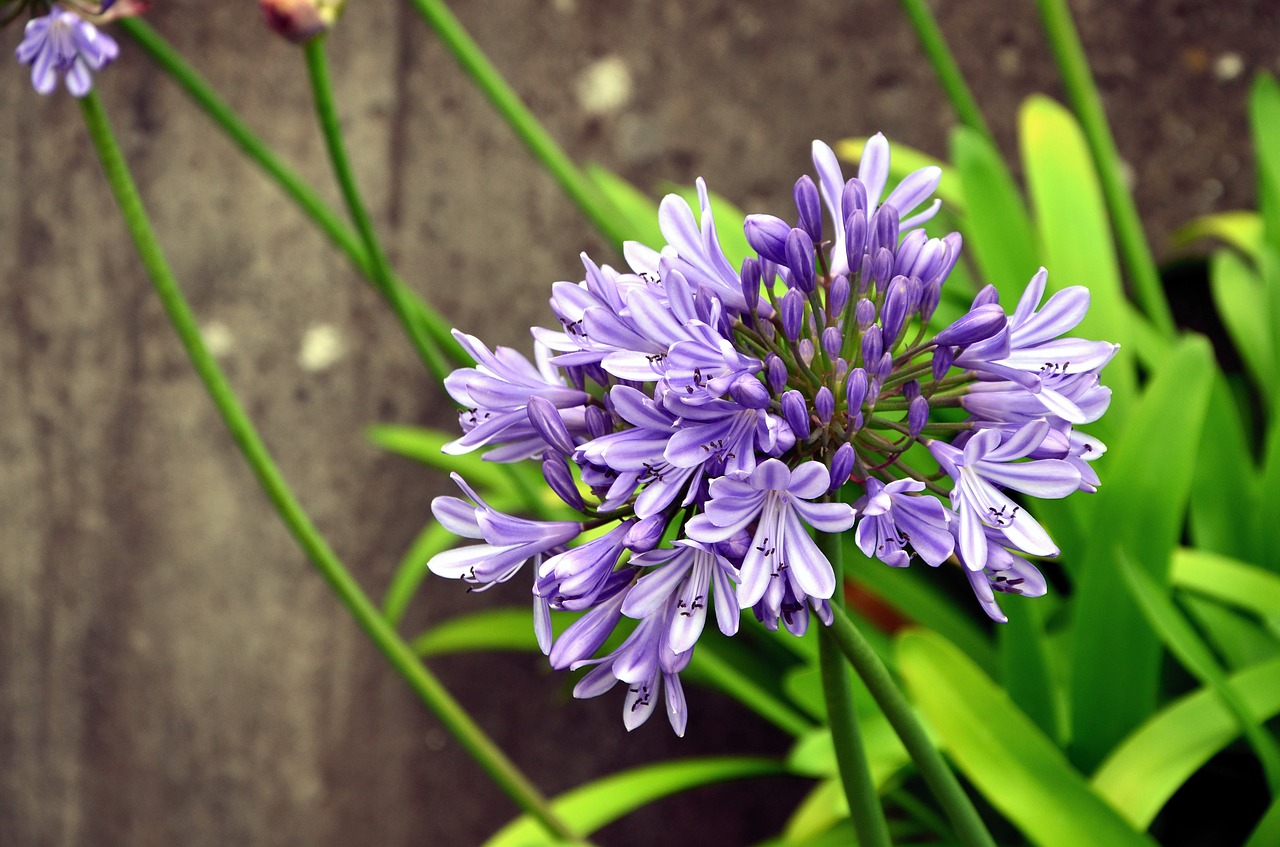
(1240, 640)
(508, 628)
(434, 538)
(1267, 832)
(1025, 666)
(1141, 512)
(1237, 292)
(913, 592)
(728, 219)
(1143, 772)
(1075, 233)
(906, 160)
(1192, 653)
(1268, 535)
(1224, 490)
(639, 211)
(711, 667)
(604, 801)
(425, 445)
(998, 748)
(1240, 230)
(820, 810)
(1227, 580)
(998, 228)
(1264, 122)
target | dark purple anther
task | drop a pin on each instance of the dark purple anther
(809, 205)
(800, 260)
(841, 466)
(646, 534)
(776, 372)
(767, 235)
(824, 403)
(792, 308)
(796, 413)
(750, 277)
(872, 346)
(599, 422)
(855, 244)
(894, 315)
(549, 425)
(749, 392)
(555, 470)
(976, 325)
(832, 341)
(855, 389)
(838, 296)
(917, 416)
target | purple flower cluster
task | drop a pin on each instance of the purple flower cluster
(62, 42)
(704, 420)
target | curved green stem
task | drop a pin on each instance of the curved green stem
(293, 185)
(1068, 52)
(968, 825)
(944, 66)
(851, 757)
(398, 653)
(581, 190)
(380, 269)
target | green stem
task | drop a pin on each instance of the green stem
(398, 653)
(379, 268)
(598, 209)
(293, 186)
(951, 796)
(1068, 52)
(851, 757)
(945, 67)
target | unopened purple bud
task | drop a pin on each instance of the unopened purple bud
(749, 392)
(942, 360)
(873, 391)
(872, 345)
(883, 230)
(805, 348)
(911, 390)
(986, 296)
(894, 314)
(599, 422)
(824, 403)
(842, 368)
(796, 413)
(838, 295)
(550, 426)
(792, 308)
(596, 374)
(776, 372)
(908, 250)
(927, 264)
(865, 313)
(979, 323)
(832, 341)
(930, 297)
(555, 470)
(855, 389)
(768, 272)
(800, 260)
(767, 235)
(855, 244)
(645, 535)
(854, 197)
(766, 330)
(884, 368)
(809, 205)
(882, 267)
(841, 466)
(750, 277)
(917, 416)
(954, 243)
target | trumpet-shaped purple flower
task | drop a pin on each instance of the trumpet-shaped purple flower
(777, 500)
(509, 541)
(891, 517)
(1006, 573)
(62, 42)
(687, 572)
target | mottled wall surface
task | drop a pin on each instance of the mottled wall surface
(171, 669)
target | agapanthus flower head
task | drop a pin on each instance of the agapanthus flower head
(706, 421)
(300, 20)
(62, 43)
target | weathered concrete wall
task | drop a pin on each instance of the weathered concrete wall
(171, 669)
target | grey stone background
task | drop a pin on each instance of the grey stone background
(171, 669)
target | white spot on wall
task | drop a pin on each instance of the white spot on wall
(1228, 66)
(604, 86)
(322, 347)
(218, 338)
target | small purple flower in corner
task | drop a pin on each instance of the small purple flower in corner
(62, 42)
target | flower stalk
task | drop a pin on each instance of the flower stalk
(399, 654)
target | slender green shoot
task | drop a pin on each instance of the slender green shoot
(472, 738)
(944, 66)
